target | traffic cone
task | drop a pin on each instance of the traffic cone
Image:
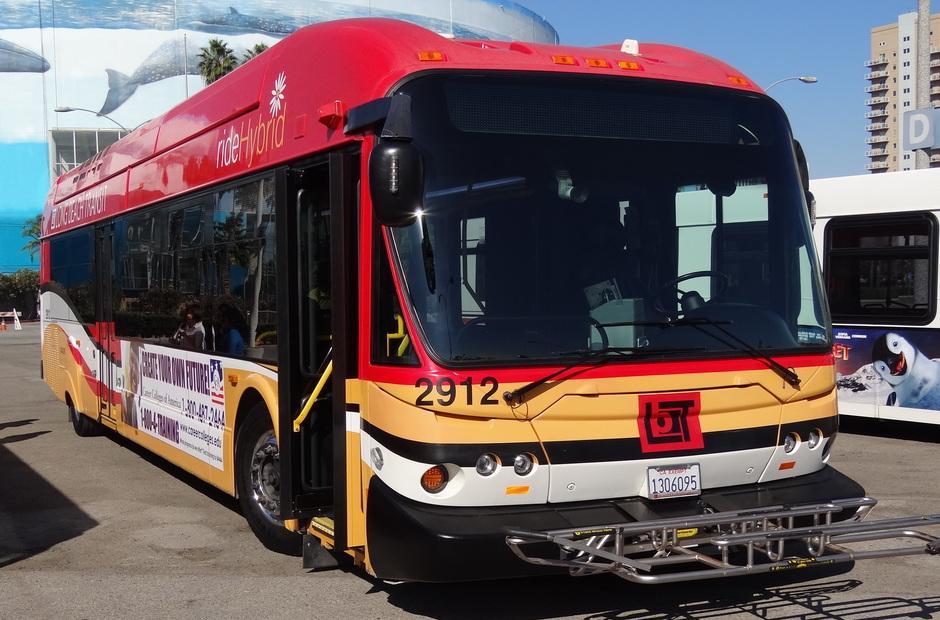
(3, 325)
(17, 326)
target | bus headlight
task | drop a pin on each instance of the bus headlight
(434, 479)
(523, 464)
(791, 442)
(815, 437)
(487, 464)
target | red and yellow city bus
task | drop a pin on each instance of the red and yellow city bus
(460, 310)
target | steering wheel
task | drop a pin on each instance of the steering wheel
(684, 298)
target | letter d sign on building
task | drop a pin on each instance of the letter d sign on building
(921, 129)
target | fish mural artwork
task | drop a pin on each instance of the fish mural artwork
(179, 56)
(897, 368)
(17, 59)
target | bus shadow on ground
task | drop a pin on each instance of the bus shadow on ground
(34, 514)
(609, 598)
(195, 483)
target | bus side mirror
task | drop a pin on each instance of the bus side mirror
(396, 181)
(804, 179)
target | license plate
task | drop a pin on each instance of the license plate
(674, 481)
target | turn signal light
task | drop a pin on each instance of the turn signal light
(431, 56)
(434, 479)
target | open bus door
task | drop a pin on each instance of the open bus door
(318, 295)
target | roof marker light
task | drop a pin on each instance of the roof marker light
(597, 62)
(564, 60)
(332, 114)
(738, 80)
(629, 65)
(431, 56)
(630, 46)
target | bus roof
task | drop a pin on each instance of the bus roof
(886, 192)
(290, 101)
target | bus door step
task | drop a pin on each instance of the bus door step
(316, 556)
(724, 544)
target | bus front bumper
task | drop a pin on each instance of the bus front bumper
(411, 541)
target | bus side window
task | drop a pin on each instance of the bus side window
(72, 258)
(880, 268)
(243, 300)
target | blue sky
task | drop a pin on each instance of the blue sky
(766, 41)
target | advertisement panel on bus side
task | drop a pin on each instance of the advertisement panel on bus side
(177, 397)
(888, 366)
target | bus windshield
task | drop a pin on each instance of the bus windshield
(566, 215)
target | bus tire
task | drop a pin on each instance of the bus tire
(82, 424)
(257, 482)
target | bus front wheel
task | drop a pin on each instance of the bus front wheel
(83, 425)
(257, 481)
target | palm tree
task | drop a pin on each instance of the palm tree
(216, 60)
(32, 229)
(254, 51)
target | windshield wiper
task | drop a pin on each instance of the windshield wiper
(742, 345)
(514, 398)
(427, 254)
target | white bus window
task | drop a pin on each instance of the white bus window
(880, 270)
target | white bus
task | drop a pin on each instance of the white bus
(877, 235)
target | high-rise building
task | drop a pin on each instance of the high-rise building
(892, 90)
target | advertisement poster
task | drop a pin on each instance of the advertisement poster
(177, 397)
(888, 367)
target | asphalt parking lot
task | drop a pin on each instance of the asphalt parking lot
(95, 528)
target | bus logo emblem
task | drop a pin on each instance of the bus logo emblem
(669, 422)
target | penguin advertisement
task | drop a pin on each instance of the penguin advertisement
(897, 368)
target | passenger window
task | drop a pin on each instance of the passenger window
(882, 270)
(244, 303)
(72, 259)
(212, 259)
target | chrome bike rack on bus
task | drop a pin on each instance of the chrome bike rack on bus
(724, 544)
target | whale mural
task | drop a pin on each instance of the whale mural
(235, 22)
(176, 57)
(17, 59)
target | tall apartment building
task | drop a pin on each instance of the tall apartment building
(892, 90)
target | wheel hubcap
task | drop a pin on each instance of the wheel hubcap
(265, 475)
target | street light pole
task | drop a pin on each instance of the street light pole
(65, 108)
(806, 79)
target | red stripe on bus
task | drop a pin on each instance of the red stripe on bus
(96, 386)
(407, 375)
